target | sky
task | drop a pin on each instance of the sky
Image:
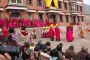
(87, 2)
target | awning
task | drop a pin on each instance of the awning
(79, 15)
(66, 1)
(41, 11)
(60, 0)
(78, 2)
(31, 10)
(61, 13)
(68, 14)
(75, 13)
(17, 8)
(1, 9)
(51, 11)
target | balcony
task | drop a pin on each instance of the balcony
(16, 6)
(53, 10)
(72, 0)
(66, 0)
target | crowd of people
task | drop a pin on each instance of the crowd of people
(17, 23)
(20, 41)
(30, 51)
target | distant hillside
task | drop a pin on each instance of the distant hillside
(87, 8)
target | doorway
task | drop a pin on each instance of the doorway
(54, 18)
(74, 19)
(15, 15)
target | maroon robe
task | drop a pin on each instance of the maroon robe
(5, 32)
(51, 34)
(57, 34)
(69, 34)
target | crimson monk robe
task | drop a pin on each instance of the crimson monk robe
(51, 33)
(51, 3)
(57, 33)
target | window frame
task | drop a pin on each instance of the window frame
(0, 15)
(31, 16)
(39, 2)
(28, 2)
(82, 18)
(16, 2)
(61, 18)
(40, 17)
(67, 18)
(78, 19)
(65, 6)
(81, 10)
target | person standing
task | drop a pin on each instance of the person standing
(57, 33)
(82, 28)
(5, 31)
(23, 36)
(51, 33)
(69, 33)
(34, 33)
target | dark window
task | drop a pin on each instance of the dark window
(78, 19)
(40, 16)
(67, 18)
(29, 2)
(65, 5)
(31, 16)
(39, 2)
(59, 4)
(82, 18)
(13, 1)
(77, 7)
(61, 18)
(0, 14)
(19, 1)
(81, 8)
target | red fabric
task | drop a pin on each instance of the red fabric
(22, 47)
(5, 32)
(51, 34)
(24, 33)
(57, 33)
(1, 36)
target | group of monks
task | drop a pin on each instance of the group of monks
(52, 33)
(17, 23)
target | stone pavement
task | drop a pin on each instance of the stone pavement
(78, 42)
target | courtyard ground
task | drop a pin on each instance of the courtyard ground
(78, 42)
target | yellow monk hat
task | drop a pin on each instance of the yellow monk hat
(47, 26)
(51, 25)
(56, 24)
(68, 24)
(34, 28)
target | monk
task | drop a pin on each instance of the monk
(51, 33)
(5, 31)
(34, 33)
(43, 32)
(57, 33)
(69, 33)
(47, 32)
